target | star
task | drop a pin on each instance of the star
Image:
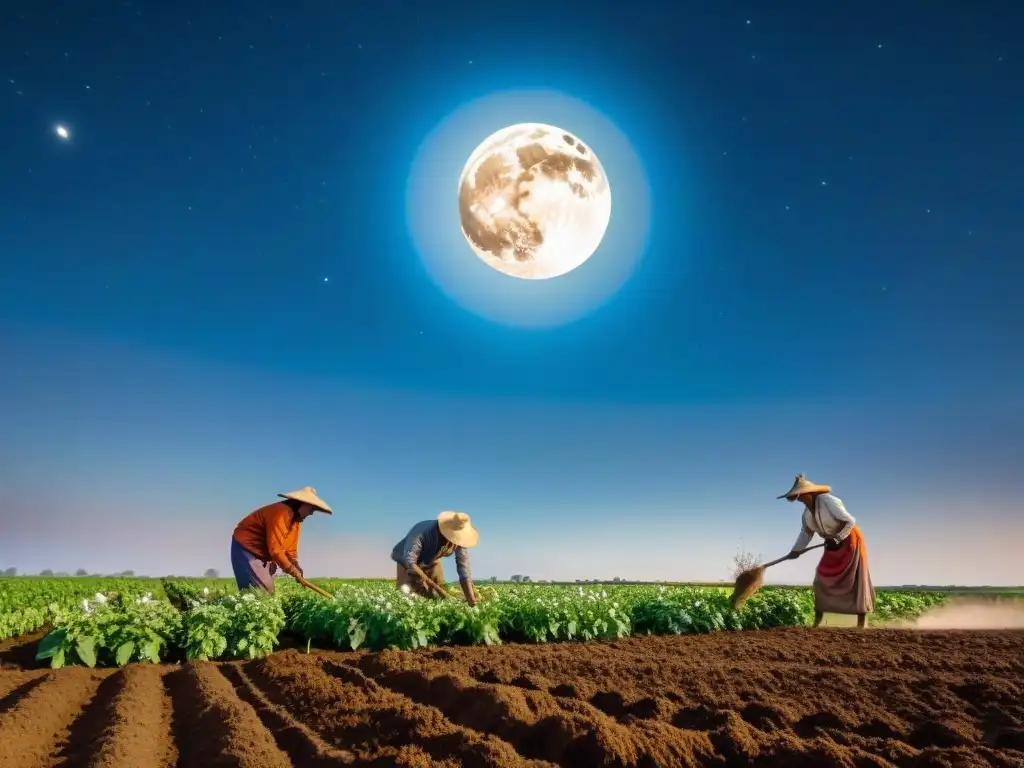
(62, 132)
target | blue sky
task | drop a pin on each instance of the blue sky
(826, 284)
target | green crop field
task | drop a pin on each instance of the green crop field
(115, 621)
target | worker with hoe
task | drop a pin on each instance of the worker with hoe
(842, 581)
(420, 553)
(268, 539)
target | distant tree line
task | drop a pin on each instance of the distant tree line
(209, 573)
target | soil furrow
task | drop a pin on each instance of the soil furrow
(213, 727)
(355, 714)
(564, 732)
(39, 721)
(85, 732)
(20, 652)
(132, 723)
(301, 744)
(14, 685)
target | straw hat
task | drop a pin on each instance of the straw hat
(803, 485)
(308, 495)
(457, 529)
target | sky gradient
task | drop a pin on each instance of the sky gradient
(211, 294)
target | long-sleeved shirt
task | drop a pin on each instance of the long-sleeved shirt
(424, 545)
(829, 519)
(271, 533)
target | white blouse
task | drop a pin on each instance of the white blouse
(829, 519)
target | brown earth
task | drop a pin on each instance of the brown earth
(793, 698)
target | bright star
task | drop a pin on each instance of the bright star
(62, 132)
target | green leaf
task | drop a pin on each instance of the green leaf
(124, 653)
(50, 644)
(86, 650)
(151, 651)
(57, 661)
(356, 634)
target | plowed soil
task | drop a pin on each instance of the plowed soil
(787, 698)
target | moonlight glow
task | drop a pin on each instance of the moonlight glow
(534, 201)
(467, 279)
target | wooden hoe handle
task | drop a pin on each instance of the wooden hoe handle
(776, 562)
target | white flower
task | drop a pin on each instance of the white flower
(206, 590)
(101, 598)
(85, 606)
(406, 589)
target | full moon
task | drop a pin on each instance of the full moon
(534, 201)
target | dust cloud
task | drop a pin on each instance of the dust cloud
(970, 613)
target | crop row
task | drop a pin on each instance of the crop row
(196, 621)
(28, 603)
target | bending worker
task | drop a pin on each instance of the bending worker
(268, 539)
(420, 553)
(842, 580)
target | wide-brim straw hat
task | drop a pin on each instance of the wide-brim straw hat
(308, 495)
(457, 528)
(803, 485)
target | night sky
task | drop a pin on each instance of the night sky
(213, 289)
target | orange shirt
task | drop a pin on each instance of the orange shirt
(271, 533)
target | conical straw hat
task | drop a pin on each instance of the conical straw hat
(457, 528)
(308, 495)
(803, 485)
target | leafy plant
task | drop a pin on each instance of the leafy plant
(112, 633)
(113, 621)
(233, 626)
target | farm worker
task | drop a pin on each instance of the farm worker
(842, 580)
(419, 555)
(268, 539)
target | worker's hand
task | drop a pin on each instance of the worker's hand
(431, 588)
(832, 544)
(794, 554)
(273, 568)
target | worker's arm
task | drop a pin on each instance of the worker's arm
(410, 559)
(293, 550)
(428, 583)
(465, 576)
(277, 543)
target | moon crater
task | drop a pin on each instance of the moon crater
(534, 201)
